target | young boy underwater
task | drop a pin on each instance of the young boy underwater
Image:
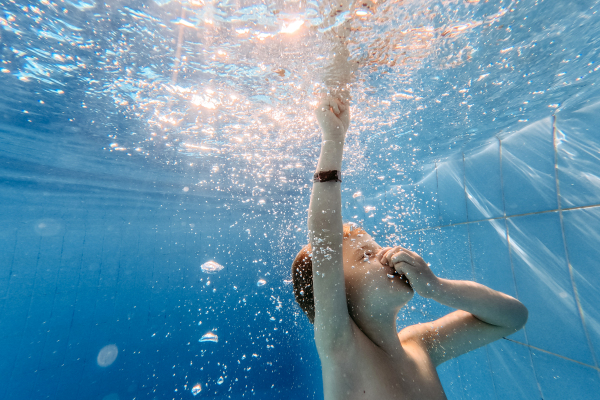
(351, 289)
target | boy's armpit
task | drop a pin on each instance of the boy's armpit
(453, 335)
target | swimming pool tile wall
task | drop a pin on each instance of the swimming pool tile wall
(73, 279)
(512, 371)
(73, 284)
(532, 202)
(582, 234)
(451, 190)
(491, 259)
(528, 176)
(578, 150)
(483, 182)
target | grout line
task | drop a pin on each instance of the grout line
(437, 193)
(4, 390)
(10, 269)
(54, 295)
(497, 218)
(501, 177)
(554, 354)
(471, 254)
(580, 207)
(566, 248)
(556, 163)
(154, 246)
(464, 168)
(85, 233)
(27, 322)
(512, 269)
(14, 361)
(489, 361)
(460, 379)
(475, 280)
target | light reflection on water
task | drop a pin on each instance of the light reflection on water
(237, 80)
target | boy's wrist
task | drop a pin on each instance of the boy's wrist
(432, 289)
(332, 152)
(337, 133)
(332, 142)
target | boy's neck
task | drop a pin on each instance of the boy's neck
(380, 328)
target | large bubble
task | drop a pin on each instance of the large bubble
(211, 267)
(107, 355)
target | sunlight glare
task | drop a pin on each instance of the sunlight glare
(292, 27)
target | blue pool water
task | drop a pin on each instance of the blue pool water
(141, 140)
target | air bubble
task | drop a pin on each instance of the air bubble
(107, 355)
(211, 267)
(209, 337)
(196, 389)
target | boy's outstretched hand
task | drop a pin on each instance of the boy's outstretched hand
(411, 265)
(334, 118)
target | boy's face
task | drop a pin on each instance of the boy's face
(369, 284)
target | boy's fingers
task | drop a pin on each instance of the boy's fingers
(381, 253)
(412, 253)
(334, 105)
(403, 268)
(325, 103)
(392, 252)
(341, 105)
(387, 257)
(401, 257)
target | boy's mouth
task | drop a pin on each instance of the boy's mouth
(404, 279)
(393, 273)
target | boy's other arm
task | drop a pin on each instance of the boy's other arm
(484, 315)
(332, 323)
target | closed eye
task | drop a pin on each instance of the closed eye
(367, 254)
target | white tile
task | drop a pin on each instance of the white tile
(528, 175)
(578, 147)
(483, 182)
(451, 190)
(512, 370)
(582, 232)
(544, 286)
(562, 379)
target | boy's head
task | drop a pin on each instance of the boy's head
(368, 282)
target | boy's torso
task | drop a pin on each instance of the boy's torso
(364, 371)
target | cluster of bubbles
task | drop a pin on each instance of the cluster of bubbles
(213, 83)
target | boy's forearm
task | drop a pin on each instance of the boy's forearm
(485, 304)
(331, 155)
(325, 203)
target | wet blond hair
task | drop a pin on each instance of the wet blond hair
(302, 275)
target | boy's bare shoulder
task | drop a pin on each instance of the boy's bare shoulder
(364, 371)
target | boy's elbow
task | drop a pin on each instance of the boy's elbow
(520, 316)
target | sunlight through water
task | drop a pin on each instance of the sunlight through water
(213, 83)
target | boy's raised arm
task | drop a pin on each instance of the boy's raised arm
(332, 322)
(484, 315)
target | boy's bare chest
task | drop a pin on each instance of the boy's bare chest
(374, 376)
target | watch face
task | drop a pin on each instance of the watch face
(327, 176)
